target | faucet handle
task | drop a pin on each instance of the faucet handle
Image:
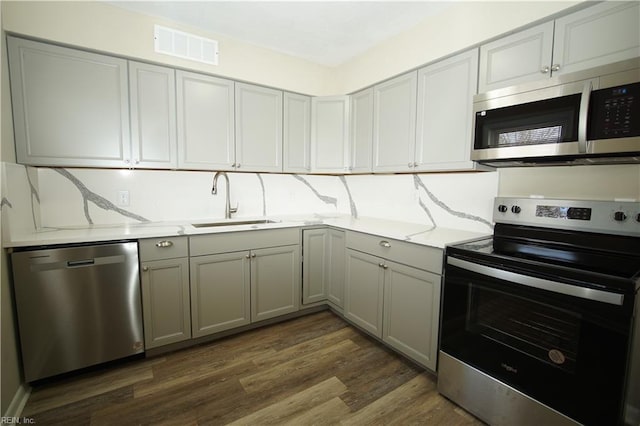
(234, 209)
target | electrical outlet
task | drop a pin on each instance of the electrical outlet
(123, 198)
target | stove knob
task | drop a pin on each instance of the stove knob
(516, 209)
(619, 216)
(503, 209)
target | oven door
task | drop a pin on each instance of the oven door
(567, 349)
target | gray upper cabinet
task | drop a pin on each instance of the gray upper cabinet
(70, 107)
(330, 134)
(394, 124)
(206, 124)
(297, 133)
(518, 58)
(153, 116)
(361, 131)
(258, 128)
(604, 33)
(445, 100)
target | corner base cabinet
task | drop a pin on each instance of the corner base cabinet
(392, 290)
(323, 266)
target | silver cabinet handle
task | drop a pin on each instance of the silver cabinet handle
(555, 67)
(385, 266)
(248, 256)
(253, 255)
(385, 244)
(164, 244)
(145, 268)
(137, 161)
(238, 166)
(381, 265)
(544, 70)
(410, 165)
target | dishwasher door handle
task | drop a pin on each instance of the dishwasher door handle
(79, 263)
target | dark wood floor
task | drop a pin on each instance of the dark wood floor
(312, 370)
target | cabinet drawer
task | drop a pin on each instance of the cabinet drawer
(244, 240)
(419, 256)
(163, 248)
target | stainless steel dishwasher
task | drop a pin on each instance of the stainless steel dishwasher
(77, 306)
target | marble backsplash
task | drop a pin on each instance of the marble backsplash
(58, 197)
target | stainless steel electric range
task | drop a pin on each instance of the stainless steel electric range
(539, 322)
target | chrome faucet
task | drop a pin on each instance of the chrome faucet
(214, 190)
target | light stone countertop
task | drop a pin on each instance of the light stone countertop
(416, 233)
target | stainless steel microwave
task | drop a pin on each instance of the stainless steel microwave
(587, 117)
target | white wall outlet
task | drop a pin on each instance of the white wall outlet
(123, 198)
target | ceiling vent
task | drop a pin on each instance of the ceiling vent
(184, 45)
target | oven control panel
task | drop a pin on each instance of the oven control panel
(612, 217)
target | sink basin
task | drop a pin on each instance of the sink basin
(232, 223)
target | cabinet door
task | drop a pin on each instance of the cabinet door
(411, 312)
(153, 116)
(275, 282)
(297, 133)
(165, 298)
(601, 34)
(220, 298)
(335, 266)
(70, 108)
(445, 108)
(314, 265)
(206, 134)
(518, 58)
(330, 134)
(258, 128)
(361, 131)
(364, 284)
(394, 132)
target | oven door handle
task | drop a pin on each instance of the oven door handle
(540, 283)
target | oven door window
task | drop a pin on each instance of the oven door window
(550, 121)
(539, 330)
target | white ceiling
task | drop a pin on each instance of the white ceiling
(325, 32)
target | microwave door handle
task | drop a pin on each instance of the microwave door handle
(583, 117)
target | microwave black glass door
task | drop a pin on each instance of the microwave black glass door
(549, 121)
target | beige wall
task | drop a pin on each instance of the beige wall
(107, 28)
(574, 182)
(457, 28)
(10, 376)
(110, 29)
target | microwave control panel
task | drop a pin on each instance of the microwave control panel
(615, 112)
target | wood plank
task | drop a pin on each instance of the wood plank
(391, 405)
(326, 414)
(296, 404)
(295, 372)
(88, 385)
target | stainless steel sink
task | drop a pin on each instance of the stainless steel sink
(232, 223)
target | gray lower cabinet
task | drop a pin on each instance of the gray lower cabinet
(411, 312)
(392, 290)
(165, 291)
(275, 281)
(323, 266)
(220, 292)
(364, 291)
(242, 277)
